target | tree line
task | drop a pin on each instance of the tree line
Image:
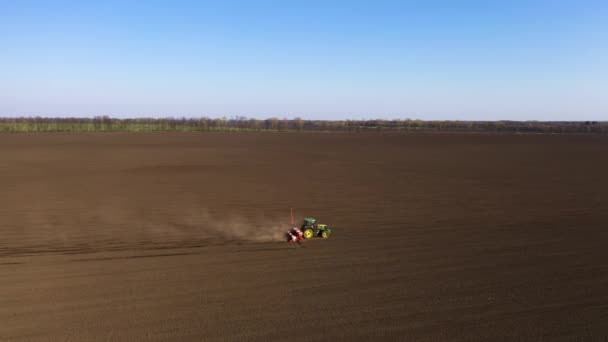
(239, 123)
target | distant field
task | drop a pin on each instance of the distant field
(174, 236)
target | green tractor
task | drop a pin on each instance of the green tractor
(311, 228)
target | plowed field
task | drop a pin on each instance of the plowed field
(177, 236)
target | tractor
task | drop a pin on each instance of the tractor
(311, 228)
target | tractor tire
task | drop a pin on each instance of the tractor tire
(324, 234)
(308, 233)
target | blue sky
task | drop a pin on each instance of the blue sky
(471, 60)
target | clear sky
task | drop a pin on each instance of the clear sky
(488, 60)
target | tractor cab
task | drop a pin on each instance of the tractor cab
(309, 222)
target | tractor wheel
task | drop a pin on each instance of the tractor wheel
(324, 234)
(308, 233)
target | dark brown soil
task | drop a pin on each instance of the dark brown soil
(172, 236)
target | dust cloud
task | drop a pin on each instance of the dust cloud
(120, 225)
(236, 228)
